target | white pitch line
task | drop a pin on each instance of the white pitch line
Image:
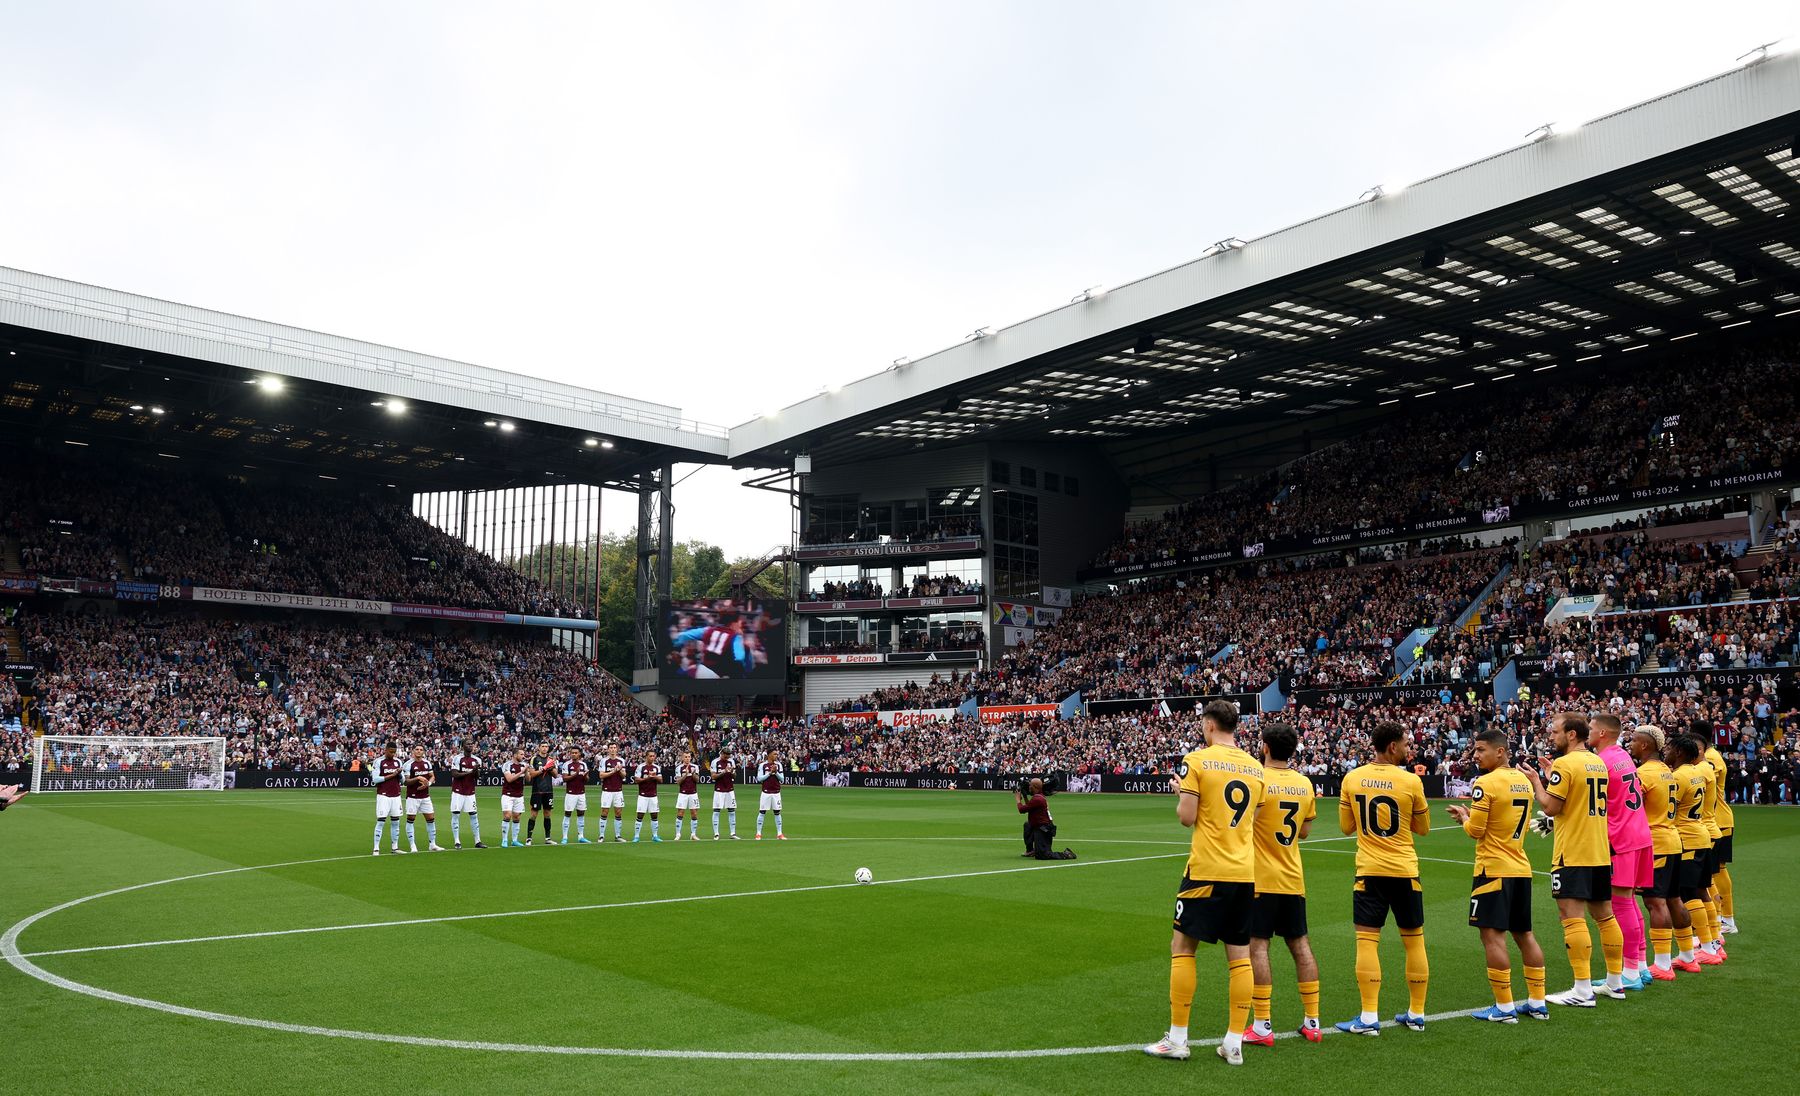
(581, 908)
(9, 949)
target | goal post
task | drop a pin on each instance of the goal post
(119, 763)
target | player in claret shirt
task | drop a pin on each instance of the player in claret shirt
(465, 770)
(419, 778)
(612, 793)
(648, 775)
(513, 775)
(768, 774)
(687, 797)
(724, 792)
(575, 778)
(384, 773)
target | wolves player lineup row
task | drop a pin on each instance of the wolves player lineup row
(403, 794)
(1633, 814)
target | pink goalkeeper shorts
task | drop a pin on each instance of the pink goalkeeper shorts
(1633, 869)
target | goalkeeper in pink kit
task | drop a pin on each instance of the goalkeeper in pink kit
(1628, 831)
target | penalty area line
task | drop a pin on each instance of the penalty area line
(10, 954)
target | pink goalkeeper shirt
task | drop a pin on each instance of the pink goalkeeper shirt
(1626, 826)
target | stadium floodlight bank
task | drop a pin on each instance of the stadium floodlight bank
(116, 763)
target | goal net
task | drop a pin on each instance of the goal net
(114, 763)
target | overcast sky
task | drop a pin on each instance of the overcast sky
(725, 207)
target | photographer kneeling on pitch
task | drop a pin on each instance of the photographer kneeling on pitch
(1040, 828)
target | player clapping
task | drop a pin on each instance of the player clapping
(724, 792)
(419, 778)
(1500, 898)
(648, 776)
(687, 798)
(612, 793)
(384, 773)
(513, 775)
(575, 777)
(465, 770)
(768, 774)
(543, 792)
(1574, 795)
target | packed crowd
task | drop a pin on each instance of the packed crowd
(1635, 572)
(314, 696)
(173, 528)
(1563, 442)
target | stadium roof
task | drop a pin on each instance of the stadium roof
(1581, 245)
(104, 369)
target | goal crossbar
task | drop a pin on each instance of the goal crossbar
(126, 763)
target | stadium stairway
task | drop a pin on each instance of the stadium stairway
(10, 560)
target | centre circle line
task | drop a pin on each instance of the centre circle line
(9, 949)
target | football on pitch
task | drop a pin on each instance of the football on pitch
(864, 875)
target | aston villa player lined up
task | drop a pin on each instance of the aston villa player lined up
(724, 795)
(513, 775)
(575, 778)
(687, 795)
(384, 773)
(419, 777)
(612, 793)
(768, 774)
(648, 776)
(465, 771)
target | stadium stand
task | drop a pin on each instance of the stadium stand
(180, 529)
(1564, 442)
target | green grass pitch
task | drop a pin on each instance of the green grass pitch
(769, 949)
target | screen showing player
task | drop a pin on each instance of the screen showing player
(724, 645)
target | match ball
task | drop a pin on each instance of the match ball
(864, 875)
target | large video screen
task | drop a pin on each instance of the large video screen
(724, 645)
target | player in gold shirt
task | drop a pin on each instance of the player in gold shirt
(1725, 821)
(1667, 914)
(1218, 789)
(1279, 907)
(1693, 783)
(1574, 795)
(1384, 805)
(1500, 901)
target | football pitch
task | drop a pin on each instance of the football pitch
(280, 957)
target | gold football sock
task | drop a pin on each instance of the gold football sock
(1697, 913)
(1309, 1000)
(1181, 989)
(1259, 1001)
(1500, 981)
(1660, 940)
(1368, 968)
(1418, 969)
(1713, 936)
(1722, 884)
(1684, 938)
(1612, 946)
(1534, 983)
(1580, 945)
(1242, 985)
